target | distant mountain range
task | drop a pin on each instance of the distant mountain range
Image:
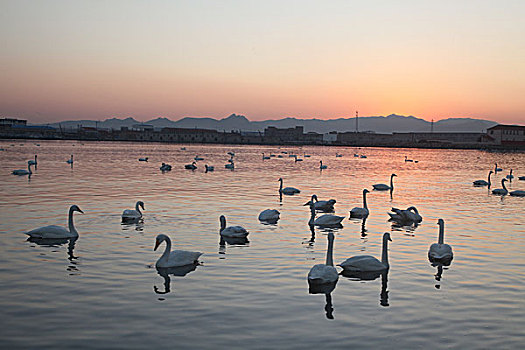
(388, 124)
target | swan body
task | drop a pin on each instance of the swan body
(328, 220)
(143, 159)
(191, 166)
(56, 232)
(337, 155)
(133, 214)
(408, 160)
(209, 168)
(406, 217)
(230, 165)
(21, 172)
(440, 250)
(510, 176)
(521, 178)
(70, 160)
(33, 162)
(287, 190)
(363, 156)
(232, 231)
(356, 155)
(501, 191)
(517, 193)
(368, 263)
(383, 187)
(321, 166)
(198, 158)
(360, 212)
(322, 205)
(165, 167)
(265, 157)
(306, 155)
(483, 182)
(325, 273)
(269, 215)
(174, 258)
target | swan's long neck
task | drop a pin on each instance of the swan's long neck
(70, 222)
(137, 208)
(391, 182)
(489, 178)
(364, 201)
(167, 251)
(330, 251)
(503, 185)
(441, 237)
(384, 255)
(29, 169)
(281, 185)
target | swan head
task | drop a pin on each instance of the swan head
(491, 172)
(141, 204)
(280, 179)
(393, 175)
(414, 209)
(222, 220)
(441, 222)
(76, 208)
(386, 236)
(160, 238)
(366, 191)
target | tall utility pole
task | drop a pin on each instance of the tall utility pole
(356, 121)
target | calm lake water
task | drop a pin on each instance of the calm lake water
(102, 291)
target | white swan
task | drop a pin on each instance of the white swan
(483, 182)
(32, 162)
(271, 215)
(70, 160)
(383, 187)
(325, 220)
(325, 273)
(230, 165)
(322, 166)
(517, 193)
(496, 169)
(368, 263)
(297, 159)
(143, 159)
(191, 166)
(337, 155)
(21, 172)
(360, 212)
(501, 191)
(174, 258)
(133, 215)
(406, 217)
(198, 158)
(265, 157)
(322, 205)
(165, 167)
(287, 190)
(440, 250)
(408, 160)
(209, 168)
(306, 155)
(363, 156)
(54, 231)
(510, 176)
(521, 178)
(232, 231)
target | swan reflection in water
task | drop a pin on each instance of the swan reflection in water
(370, 276)
(439, 265)
(57, 242)
(233, 241)
(165, 272)
(138, 225)
(327, 290)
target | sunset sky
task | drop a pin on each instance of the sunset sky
(63, 60)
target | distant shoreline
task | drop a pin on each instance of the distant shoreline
(419, 145)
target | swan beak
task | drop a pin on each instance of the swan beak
(305, 204)
(390, 239)
(80, 210)
(157, 243)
